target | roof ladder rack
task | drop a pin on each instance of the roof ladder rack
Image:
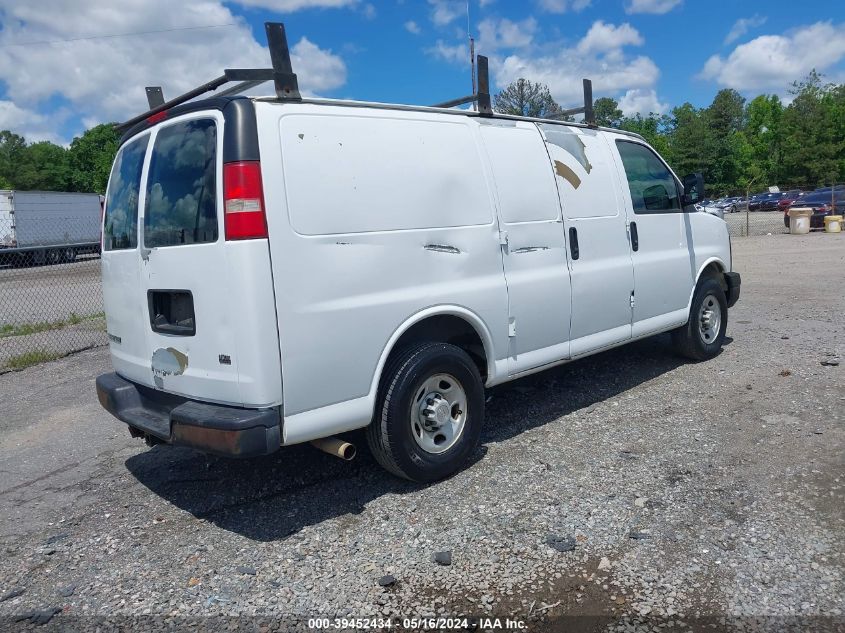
(287, 86)
(586, 109)
(281, 74)
(482, 95)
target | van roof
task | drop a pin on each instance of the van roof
(220, 103)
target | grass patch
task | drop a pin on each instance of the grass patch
(44, 326)
(28, 359)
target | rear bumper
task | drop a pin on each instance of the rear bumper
(229, 431)
(734, 281)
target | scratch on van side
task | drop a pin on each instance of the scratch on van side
(566, 172)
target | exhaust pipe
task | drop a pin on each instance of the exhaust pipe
(336, 447)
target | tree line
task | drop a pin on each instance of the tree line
(44, 166)
(738, 145)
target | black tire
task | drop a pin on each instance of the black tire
(53, 257)
(68, 255)
(390, 436)
(688, 339)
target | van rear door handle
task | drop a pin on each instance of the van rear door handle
(573, 242)
(635, 238)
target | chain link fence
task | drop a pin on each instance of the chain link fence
(767, 213)
(51, 301)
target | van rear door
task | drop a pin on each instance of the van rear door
(201, 313)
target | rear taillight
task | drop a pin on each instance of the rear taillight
(243, 201)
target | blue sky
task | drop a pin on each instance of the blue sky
(65, 65)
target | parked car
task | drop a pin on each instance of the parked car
(790, 198)
(765, 201)
(822, 202)
(727, 205)
(274, 273)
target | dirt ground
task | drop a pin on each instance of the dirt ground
(707, 495)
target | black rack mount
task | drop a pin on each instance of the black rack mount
(287, 87)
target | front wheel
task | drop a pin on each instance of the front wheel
(429, 412)
(703, 335)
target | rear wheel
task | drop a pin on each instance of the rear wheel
(429, 412)
(703, 335)
(68, 255)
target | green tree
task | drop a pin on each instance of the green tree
(812, 129)
(91, 156)
(688, 139)
(607, 112)
(12, 150)
(724, 119)
(764, 138)
(44, 167)
(526, 98)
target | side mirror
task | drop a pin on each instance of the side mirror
(693, 189)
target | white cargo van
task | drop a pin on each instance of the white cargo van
(281, 270)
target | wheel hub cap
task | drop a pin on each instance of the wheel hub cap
(709, 319)
(438, 413)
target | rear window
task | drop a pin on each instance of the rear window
(181, 204)
(120, 227)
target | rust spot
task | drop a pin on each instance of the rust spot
(566, 173)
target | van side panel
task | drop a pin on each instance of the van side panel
(373, 216)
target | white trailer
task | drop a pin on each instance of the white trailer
(48, 226)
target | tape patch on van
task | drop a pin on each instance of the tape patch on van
(564, 171)
(168, 362)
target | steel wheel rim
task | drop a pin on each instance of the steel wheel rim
(438, 413)
(709, 319)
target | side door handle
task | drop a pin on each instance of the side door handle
(635, 238)
(573, 242)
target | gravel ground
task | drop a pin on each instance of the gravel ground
(620, 492)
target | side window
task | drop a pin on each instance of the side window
(120, 225)
(653, 188)
(181, 204)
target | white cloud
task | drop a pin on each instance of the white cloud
(599, 56)
(456, 54)
(485, 3)
(774, 61)
(503, 33)
(742, 26)
(444, 12)
(103, 79)
(412, 27)
(30, 124)
(289, 6)
(651, 6)
(605, 37)
(562, 6)
(369, 11)
(640, 101)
